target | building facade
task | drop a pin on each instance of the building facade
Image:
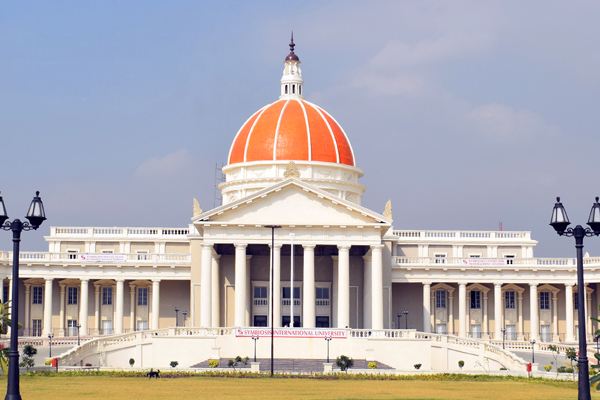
(335, 263)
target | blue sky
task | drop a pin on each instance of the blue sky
(463, 113)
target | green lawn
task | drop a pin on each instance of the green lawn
(128, 388)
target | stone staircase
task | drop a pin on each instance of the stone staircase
(295, 365)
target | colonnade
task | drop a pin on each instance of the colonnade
(499, 310)
(209, 311)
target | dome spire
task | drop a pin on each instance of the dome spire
(291, 81)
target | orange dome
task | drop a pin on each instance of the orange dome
(291, 129)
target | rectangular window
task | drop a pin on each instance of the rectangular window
(107, 326)
(142, 325)
(544, 300)
(322, 322)
(72, 327)
(107, 296)
(143, 254)
(142, 296)
(511, 332)
(260, 320)
(475, 300)
(71, 296)
(260, 292)
(322, 293)
(575, 303)
(545, 334)
(440, 258)
(475, 330)
(474, 255)
(509, 298)
(108, 251)
(5, 293)
(509, 258)
(36, 327)
(37, 295)
(72, 254)
(440, 299)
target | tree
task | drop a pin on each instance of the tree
(5, 321)
(571, 355)
(555, 352)
(237, 361)
(131, 362)
(29, 353)
(596, 377)
(344, 362)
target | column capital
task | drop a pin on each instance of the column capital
(240, 245)
(462, 284)
(426, 283)
(498, 285)
(569, 285)
(62, 287)
(48, 279)
(344, 247)
(27, 286)
(97, 286)
(155, 280)
(119, 280)
(208, 245)
(533, 284)
(277, 245)
(84, 280)
(132, 286)
(377, 247)
(309, 246)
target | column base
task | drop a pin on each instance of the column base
(327, 368)
(254, 367)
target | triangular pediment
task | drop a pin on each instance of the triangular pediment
(292, 202)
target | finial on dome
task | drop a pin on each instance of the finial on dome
(292, 56)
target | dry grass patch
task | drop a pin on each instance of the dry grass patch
(106, 388)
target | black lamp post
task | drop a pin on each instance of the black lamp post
(273, 227)
(50, 336)
(399, 315)
(328, 339)
(184, 315)
(78, 326)
(560, 222)
(36, 216)
(406, 318)
(176, 316)
(533, 351)
(255, 338)
(503, 330)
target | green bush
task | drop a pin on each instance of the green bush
(48, 362)
(503, 369)
(174, 364)
(344, 362)
(213, 363)
(417, 366)
(373, 365)
(461, 364)
(547, 368)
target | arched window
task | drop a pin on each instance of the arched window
(286, 89)
(293, 89)
(300, 89)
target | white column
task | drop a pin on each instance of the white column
(10, 290)
(426, 307)
(343, 287)
(377, 291)
(119, 306)
(61, 312)
(155, 303)
(520, 316)
(216, 297)
(240, 284)
(206, 286)
(533, 311)
(569, 313)
(462, 309)
(276, 287)
(555, 316)
(132, 303)
(497, 311)
(485, 328)
(588, 307)
(335, 301)
(97, 310)
(27, 305)
(83, 310)
(48, 307)
(367, 290)
(450, 312)
(308, 302)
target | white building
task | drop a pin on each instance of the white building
(292, 164)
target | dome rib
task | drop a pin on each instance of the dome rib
(342, 140)
(337, 152)
(277, 129)
(235, 146)
(307, 129)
